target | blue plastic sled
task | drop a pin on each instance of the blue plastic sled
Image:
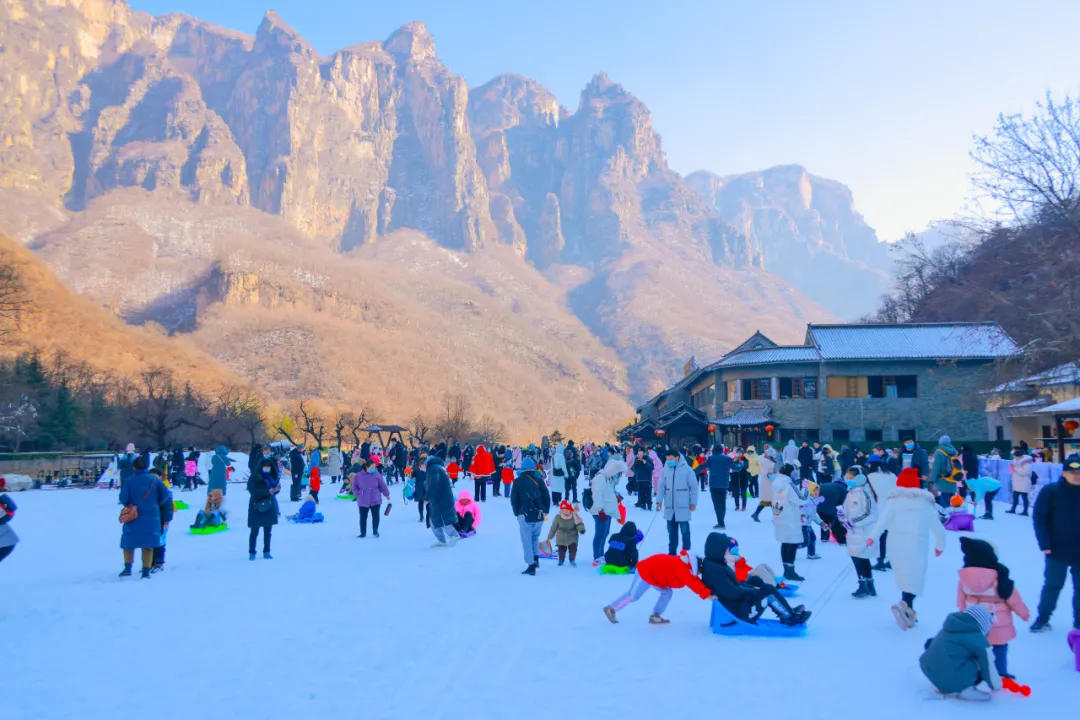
(724, 623)
(316, 518)
(789, 590)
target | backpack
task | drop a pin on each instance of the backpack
(587, 498)
(410, 489)
(956, 468)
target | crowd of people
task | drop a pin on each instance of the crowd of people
(886, 508)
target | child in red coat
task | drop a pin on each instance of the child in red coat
(663, 572)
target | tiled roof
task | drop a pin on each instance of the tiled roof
(1069, 406)
(678, 413)
(746, 416)
(911, 341)
(1067, 374)
(799, 353)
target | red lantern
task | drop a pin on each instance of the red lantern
(712, 428)
(1071, 426)
(769, 428)
(661, 433)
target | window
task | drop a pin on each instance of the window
(1046, 433)
(846, 386)
(704, 398)
(892, 386)
(798, 435)
(841, 435)
(757, 389)
(905, 434)
(723, 392)
(733, 390)
(800, 388)
(999, 433)
(874, 436)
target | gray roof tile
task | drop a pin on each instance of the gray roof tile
(769, 355)
(915, 341)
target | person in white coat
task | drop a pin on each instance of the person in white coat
(1020, 470)
(334, 465)
(883, 483)
(859, 515)
(678, 496)
(558, 474)
(767, 468)
(605, 503)
(791, 454)
(910, 516)
(787, 518)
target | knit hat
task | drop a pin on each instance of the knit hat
(984, 617)
(565, 505)
(528, 464)
(875, 458)
(944, 440)
(909, 478)
(956, 501)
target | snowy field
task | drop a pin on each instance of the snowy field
(339, 627)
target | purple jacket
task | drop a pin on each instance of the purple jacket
(367, 486)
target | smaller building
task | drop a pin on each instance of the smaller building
(1015, 410)
(851, 382)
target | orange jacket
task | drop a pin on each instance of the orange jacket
(668, 571)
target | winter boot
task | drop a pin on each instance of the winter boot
(973, 694)
(573, 563)
(610, 613)
(655, 619)
(905, 616)
(251, 556)
(881, 565)
(864, 589)
(267, 555)
(144, 574)
(790, 574)
(126, 572)
(755, 514)
(531, 570)
(870, 587)
(1040, 626)
(561, 563)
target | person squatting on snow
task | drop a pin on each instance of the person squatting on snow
(439, 496)
(744, 600)
(985, 581)
(666, 573)
(566, 528)
(531, 503)
(369, 487)
(677, 498)
(960, 658)
(8, 538)
(622, 553)
(262, 488)
(787, 519)
(142, 496)
(910, 518)
(468, 512)
(859, 514)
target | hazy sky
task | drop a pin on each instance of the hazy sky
(881, 97)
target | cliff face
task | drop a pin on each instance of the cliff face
(808, 232)
(178, 142)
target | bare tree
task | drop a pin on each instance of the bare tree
(455, 417)
(488, 431)
(14, 300)
(419, 429)
(158, 407)
(17, 417)
(310, 423)
(239, 412)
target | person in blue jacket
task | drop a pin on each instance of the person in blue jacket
(1057, 528)
(219, 470)
(147, 494)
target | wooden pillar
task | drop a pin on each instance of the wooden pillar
(1059, 428)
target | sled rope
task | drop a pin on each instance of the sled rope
(829, 593)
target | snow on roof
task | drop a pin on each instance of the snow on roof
(1061, 408)
(1067, 374)
(911, 341)
(779, 354)
(746, 416)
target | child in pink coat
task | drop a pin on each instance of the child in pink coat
(468, 511)
(985, 581)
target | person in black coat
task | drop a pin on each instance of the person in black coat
(745, 601)
(806, 462)
(643, 469)
(176, 469)
(263, 488)
(296, 467)
(622, 547)
(847, 458)
(496, 480)
(454, 453)
(531, 502)
(970, 461)
(1057, 530)
(573, 471)
(419, 476)
(255, 458)
(833, 495)
(439, 496)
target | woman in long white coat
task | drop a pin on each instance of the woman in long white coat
(767, 466)
(787, 519)
(860, 515)
(910, 517)
(558, 474)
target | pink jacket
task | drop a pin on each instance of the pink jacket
(978, 586)
(464, 504)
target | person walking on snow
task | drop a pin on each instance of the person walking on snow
(439, 496)
(146, 494)
(787, 519)
(677, 498)
(859, 514)
(334, 463)
(1057, 529)
(531, 503)
(720, 468)
(558, 474)
(263, 488)
(768, 468)
(482, 468)
(296, 468)
(369, 487)
(790, 455)
(911, 518)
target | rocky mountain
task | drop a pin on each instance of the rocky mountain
(316, 221)
(807, 231)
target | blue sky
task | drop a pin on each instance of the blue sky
(882, 97)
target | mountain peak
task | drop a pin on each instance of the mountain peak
(275, 31)
(411, 41)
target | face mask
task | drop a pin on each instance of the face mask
(672, 463)
(851, 484)
(909, 446)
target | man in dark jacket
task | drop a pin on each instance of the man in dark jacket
(643, 470)
(743, 600)
(719, 467)
(419, 477)
(498, 456)
(573, 471)
(296, 467)
(833, 495)
(439, 496)
(806, 461)
(912, 455)
(1057, 528)
(531, 501)
(847, 458)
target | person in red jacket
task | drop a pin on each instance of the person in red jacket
(665, 573)
(482, 468)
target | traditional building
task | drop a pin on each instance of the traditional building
(1015, 411)
(844, 383)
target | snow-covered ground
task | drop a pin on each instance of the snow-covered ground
(339, 627)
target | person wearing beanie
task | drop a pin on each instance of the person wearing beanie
(882, 482)
(960, 658)
(859, 514)
(665, 573)
(945, 470)
(985, 582)
(566, 528)
(910, 517)
(1057, 530)
(745, 599)
(531, 502)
